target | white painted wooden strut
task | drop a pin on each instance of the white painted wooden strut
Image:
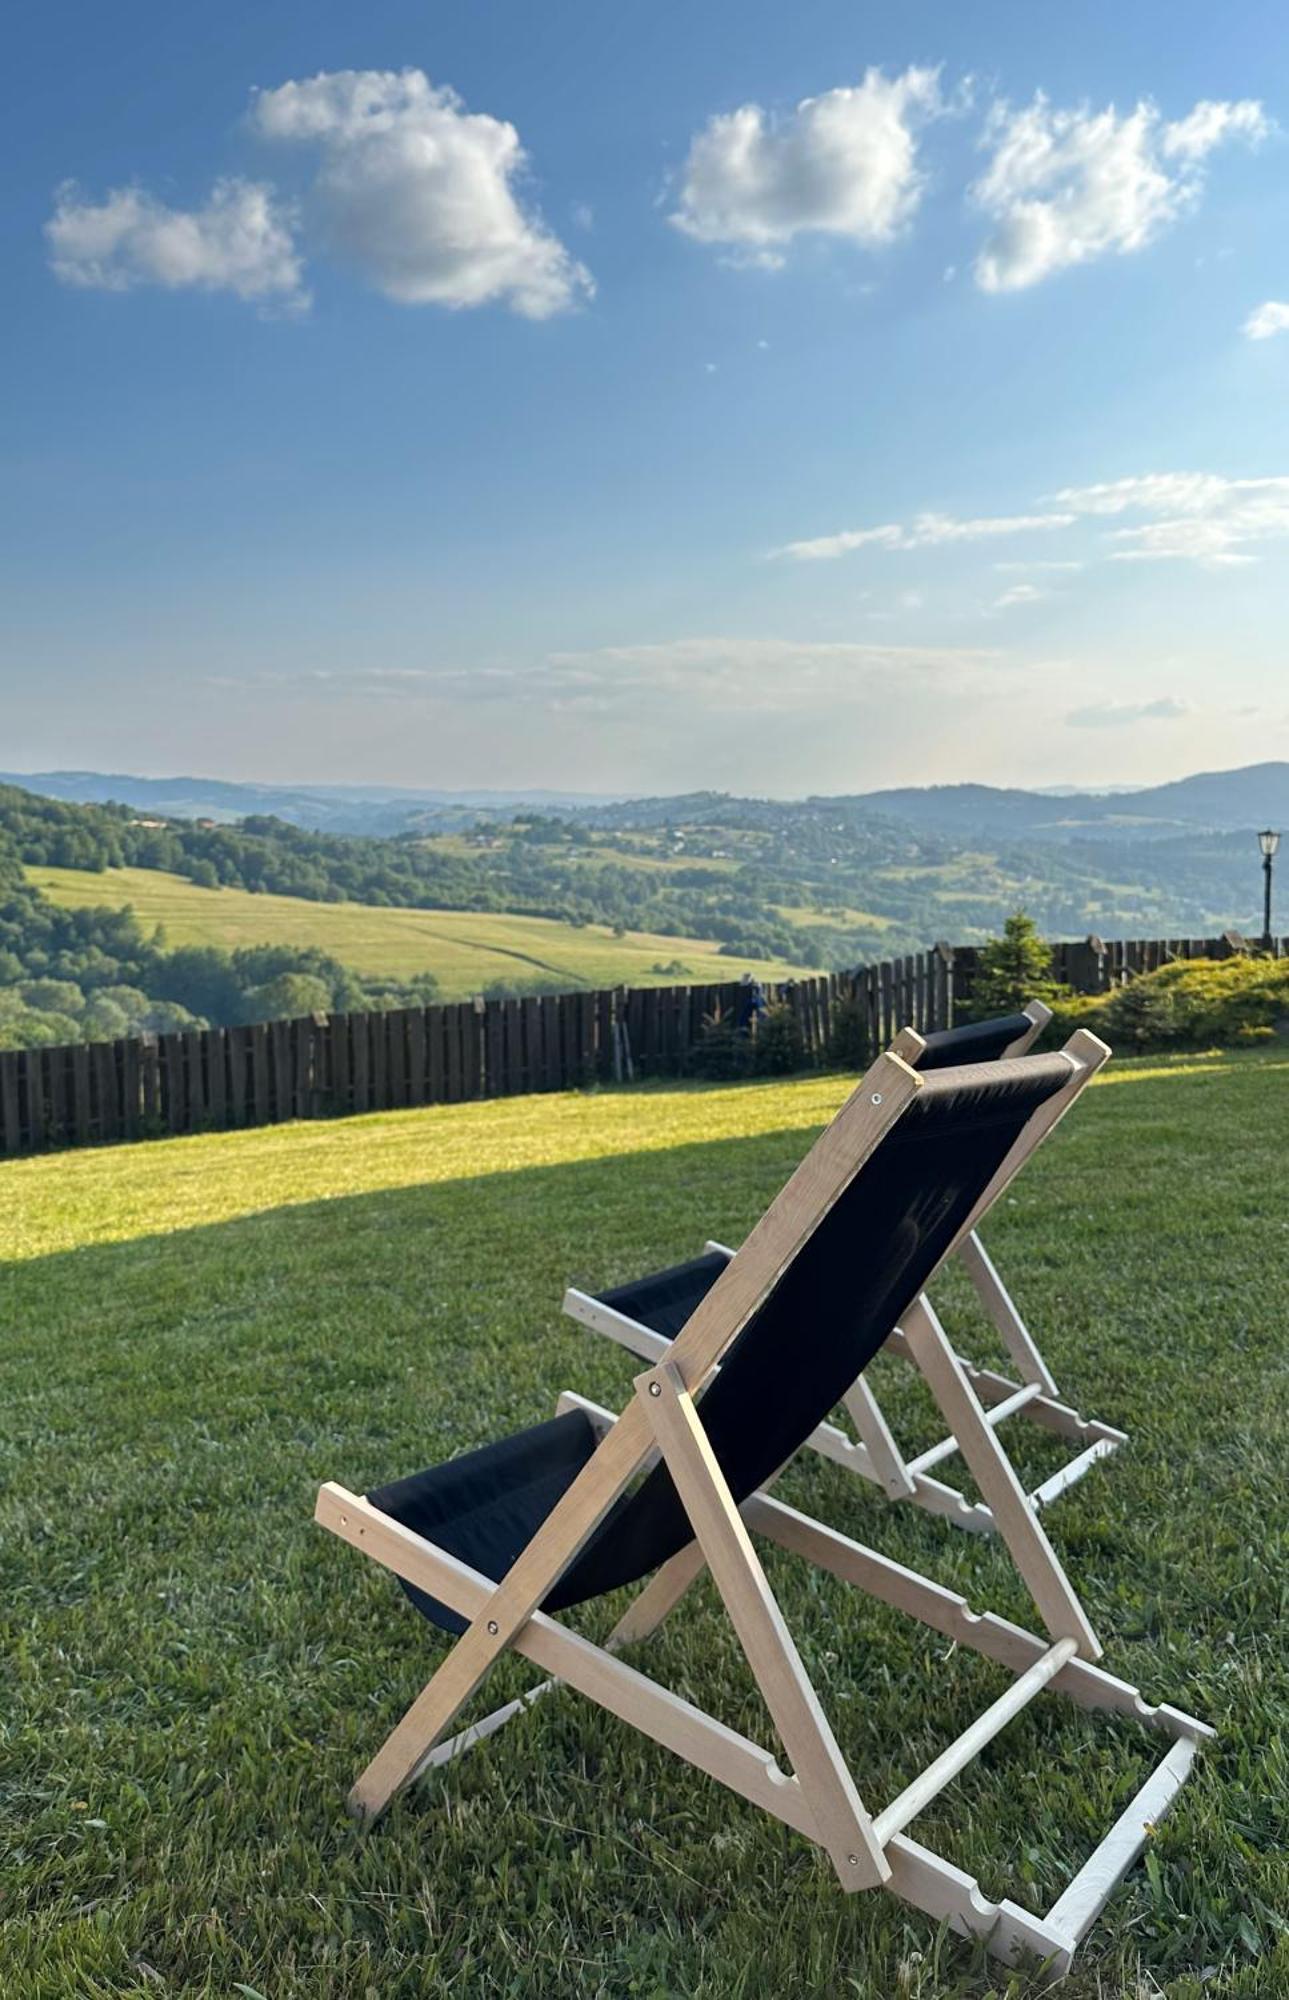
(930, 1783)
(1001, 1308)
(487, 1725)
(948, 1446)
(842, 1826)
(1069, 1475)
(1018, 1524)
(1076, 1911)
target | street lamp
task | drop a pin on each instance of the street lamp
(1268, 842)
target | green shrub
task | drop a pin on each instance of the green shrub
(848, 1039)
(1193, 1003)
(778, 1046)
(720, 1053)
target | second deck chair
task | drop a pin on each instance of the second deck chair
(644, 1317)
(493, 1545)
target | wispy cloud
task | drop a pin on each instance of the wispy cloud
(1019, 593)
(926, 531)
(712, 675)
(1267, 319)
(1119, 714)
(1201, 517)
(1206, 518)
(1027, 567)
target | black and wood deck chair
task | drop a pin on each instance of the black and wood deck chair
(493, 1545)
(645, 1316)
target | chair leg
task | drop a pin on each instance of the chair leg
(844, 1828)
(1001, 1308)
(574, 1517)
(1014, 1517)
(660, 1595)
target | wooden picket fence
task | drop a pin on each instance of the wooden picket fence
(212, 1079)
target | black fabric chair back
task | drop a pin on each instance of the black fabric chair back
(833, 1306)
(977, 1041)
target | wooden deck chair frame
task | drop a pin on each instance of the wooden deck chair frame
(875, 1454)
(818, 1797)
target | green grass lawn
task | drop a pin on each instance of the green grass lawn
(464, 949)
(194, 1332)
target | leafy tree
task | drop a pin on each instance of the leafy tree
(164, 1017)
(201, 978)
(104, 1020)
(51, 996)
(288, 995)
(24, 1028)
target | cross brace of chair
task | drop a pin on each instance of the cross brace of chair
(875, 1455)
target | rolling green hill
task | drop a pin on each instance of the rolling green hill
(466, 950)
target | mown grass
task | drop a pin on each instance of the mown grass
(196, 1331)
(466, 950)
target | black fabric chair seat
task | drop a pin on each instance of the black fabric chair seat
(486, 1506)
(664, 1300)
(825, 1318)
(976, 1041)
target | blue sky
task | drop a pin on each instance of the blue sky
(769, 398)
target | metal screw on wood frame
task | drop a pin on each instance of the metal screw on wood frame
(492, 1628)
(655, 1389)
(876, 1097)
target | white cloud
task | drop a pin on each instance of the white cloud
(843, 164)
(419, 194)
(1118, 714)
(714, 676)
(772, 676)
(1200, 517)
(1270, 317)
(1209, 124)
(241, 241)
(924, 532)
(1019, 593)
(1024, 568)
(1065, 187)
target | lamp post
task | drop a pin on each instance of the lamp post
(1268, 842)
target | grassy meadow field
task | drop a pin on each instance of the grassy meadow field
(195, 1332)
(466, 950)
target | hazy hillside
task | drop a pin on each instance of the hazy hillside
(1220, 801)
(372, 809)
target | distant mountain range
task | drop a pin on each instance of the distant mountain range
(1253, 796)
(370, 809)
